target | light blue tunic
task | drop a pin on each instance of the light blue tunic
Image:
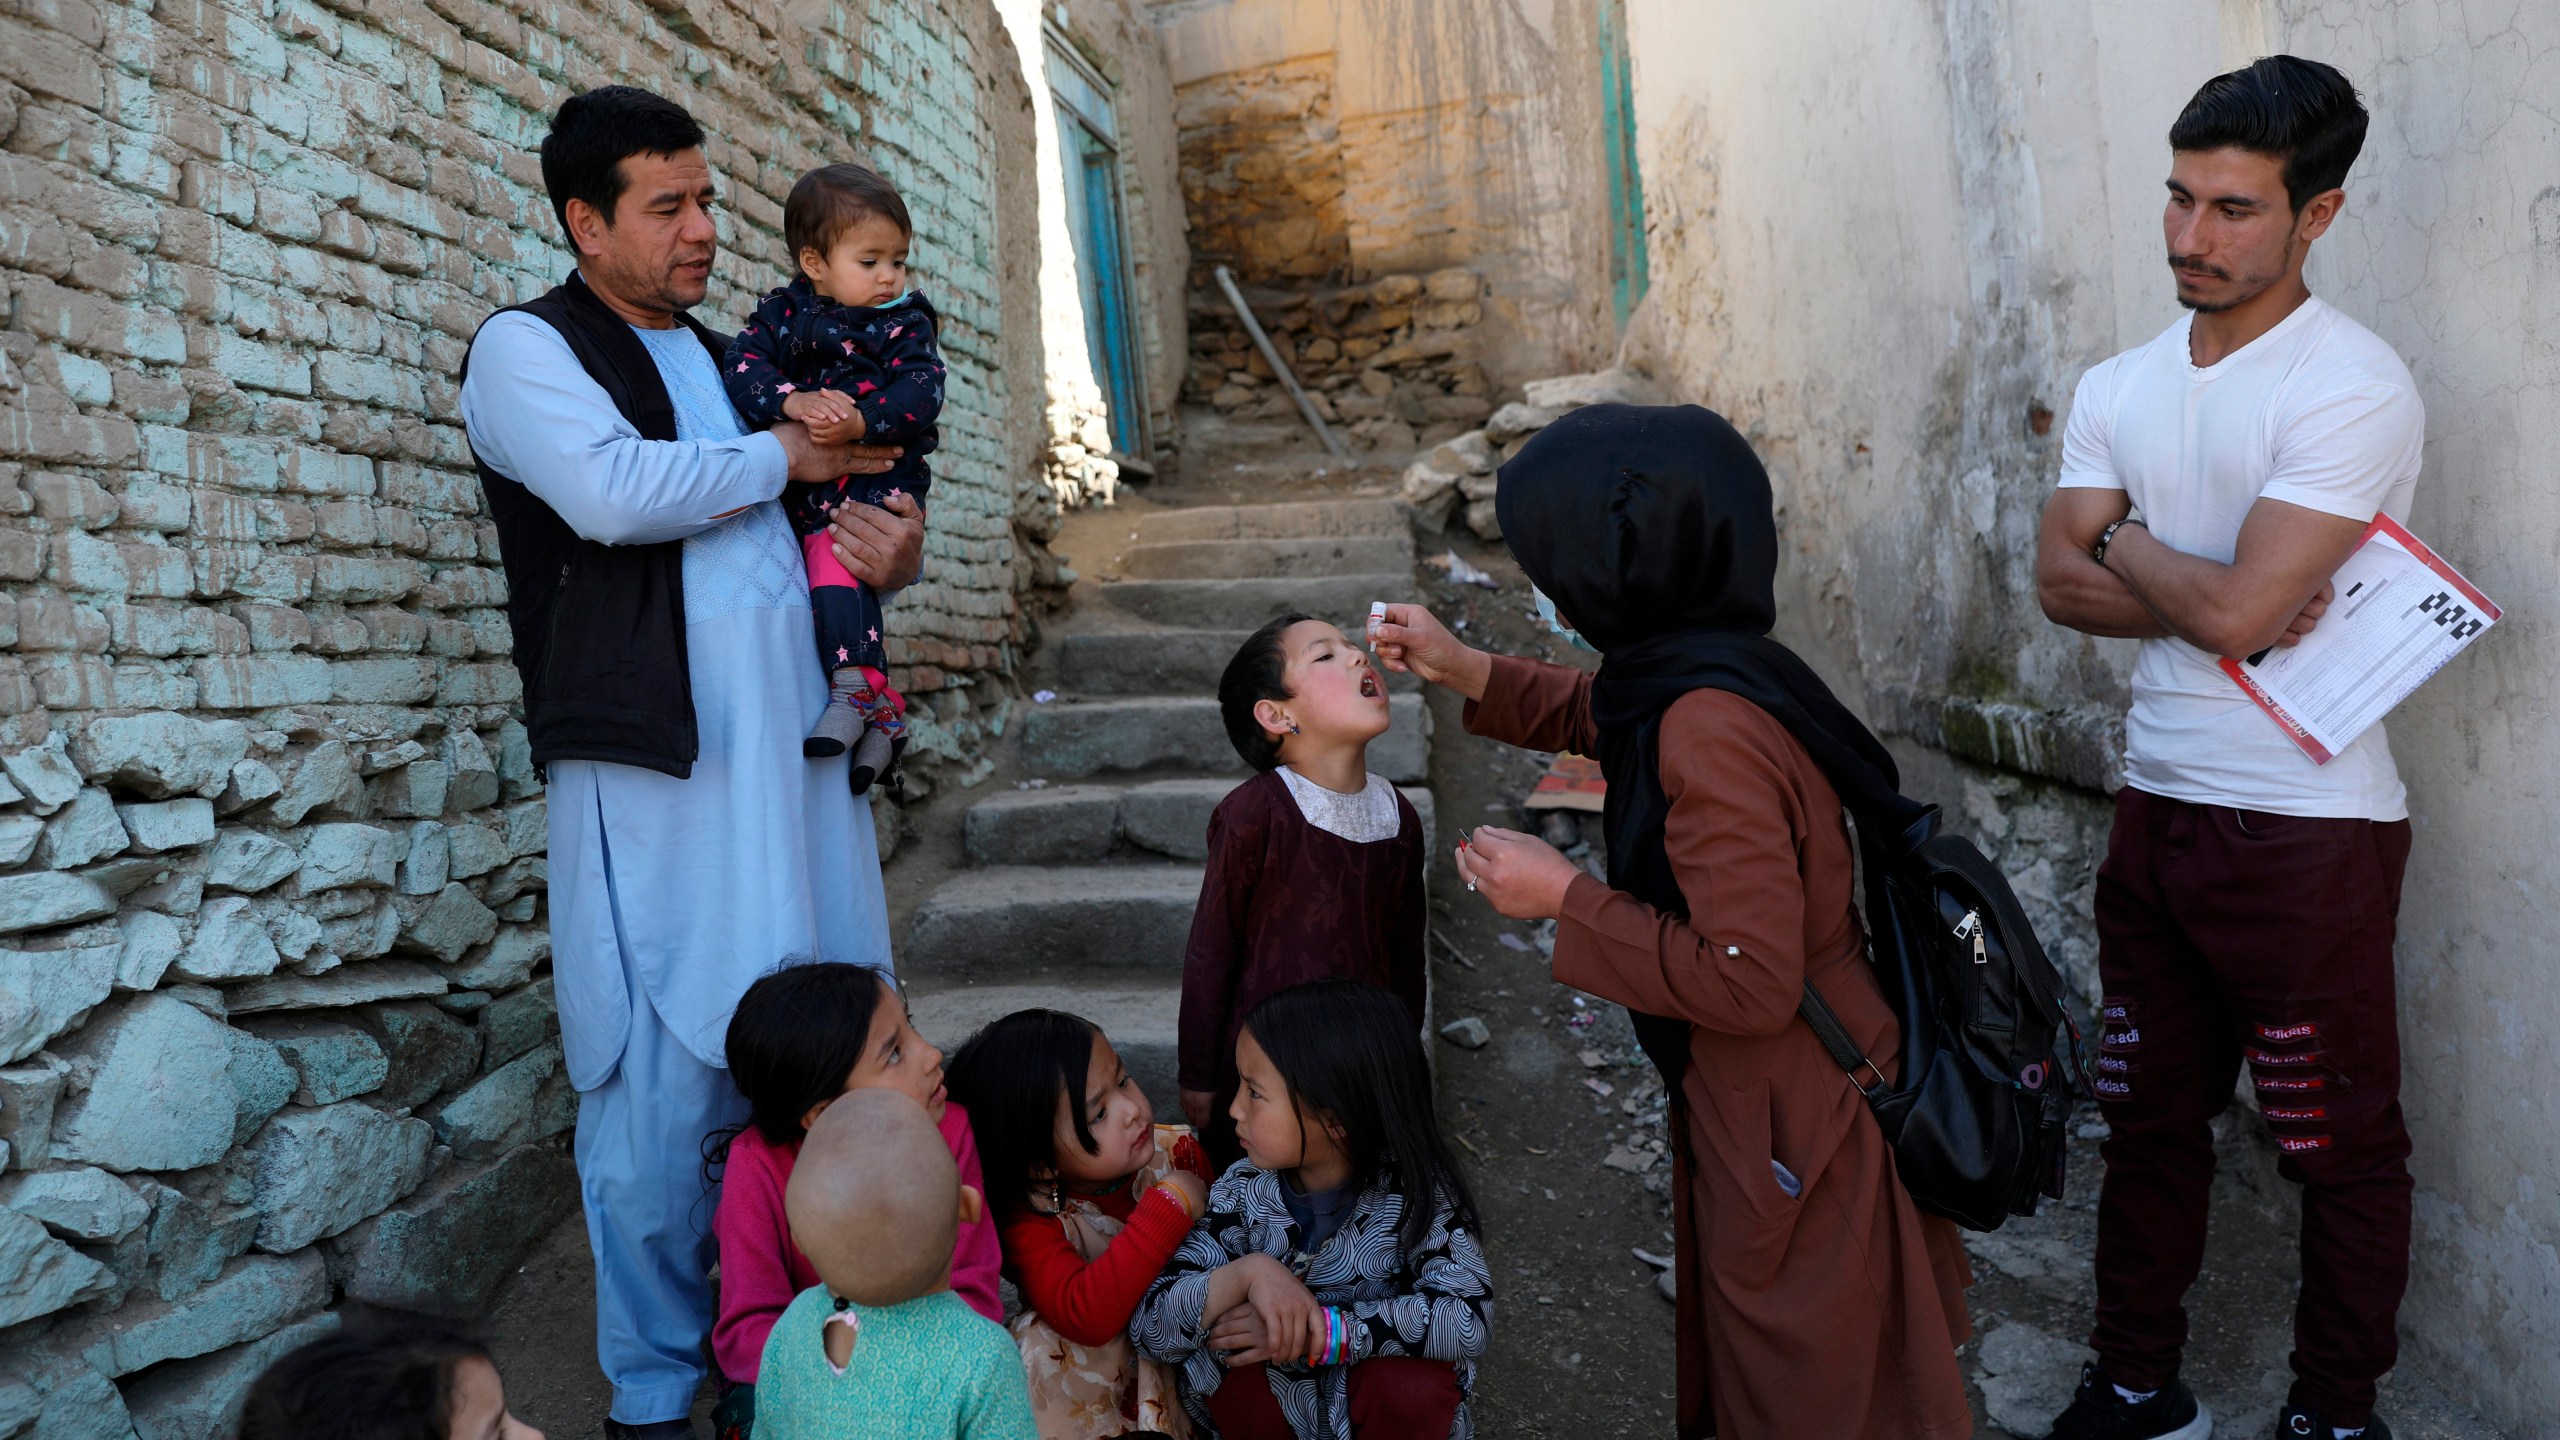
(685, 890)
(669, 897)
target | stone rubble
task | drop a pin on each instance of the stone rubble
(1455, 479)
(1394, 363)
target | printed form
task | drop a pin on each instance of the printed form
(2399, 615)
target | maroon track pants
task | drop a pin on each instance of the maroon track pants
(1394, 1397)
(2228, 937)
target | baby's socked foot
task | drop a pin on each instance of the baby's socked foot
(872, 758)
(839, 725)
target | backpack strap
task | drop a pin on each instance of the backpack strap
(1844, 1051)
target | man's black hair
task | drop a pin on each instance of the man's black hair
(832, 199)
(2298, 111)
(1258, 672)
(595, 132)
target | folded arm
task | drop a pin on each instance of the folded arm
(2269, 592)
(2077, 591)
(537, 418)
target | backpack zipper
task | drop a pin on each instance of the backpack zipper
(1970, 928)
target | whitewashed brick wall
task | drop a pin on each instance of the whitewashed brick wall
(275, 1021)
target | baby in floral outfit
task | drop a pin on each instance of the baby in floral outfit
(848, 350)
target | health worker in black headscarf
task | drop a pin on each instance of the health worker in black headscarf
(1813, 1298)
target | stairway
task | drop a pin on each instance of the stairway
(1080, 877)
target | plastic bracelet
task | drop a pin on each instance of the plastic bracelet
(1177, 1197)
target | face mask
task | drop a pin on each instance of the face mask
(1547, 613)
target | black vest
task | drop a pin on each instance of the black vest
(599, 629)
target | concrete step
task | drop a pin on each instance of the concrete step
(1081, 824)
(1071, 739)
(1267, 522)
(1019, 921)
(1143, 1022)
(1053, 825)
(1246, 604)
(1153, 662)
(1171, 817)
(1294, 556)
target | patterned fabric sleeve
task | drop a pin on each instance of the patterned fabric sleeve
(1171, 1324)
(754, 370)
(908, 398)
(1448, 1315)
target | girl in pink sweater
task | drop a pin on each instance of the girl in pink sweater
(802, 1036)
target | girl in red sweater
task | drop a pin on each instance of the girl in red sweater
(1093, 1198)
(801, 1037)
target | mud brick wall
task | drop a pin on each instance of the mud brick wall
(275, 1021)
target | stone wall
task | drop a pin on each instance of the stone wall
(275, 1026)
(1262, 175)
(1327, 142)
(1888, 238)
(1397, 362)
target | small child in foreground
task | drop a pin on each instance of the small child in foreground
(384, 1376)
(1092, 1199)
(1315, 864)
(881, 1346)
(1338, 1278)
(849, 351)
(804, 1038)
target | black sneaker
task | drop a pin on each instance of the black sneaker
(2098, 1413)
(2296, 1423)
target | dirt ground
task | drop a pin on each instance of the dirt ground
(1561, 1119)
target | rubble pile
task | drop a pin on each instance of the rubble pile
(1394, 362)
(1456, 477)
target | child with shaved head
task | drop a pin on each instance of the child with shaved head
(881, 1345)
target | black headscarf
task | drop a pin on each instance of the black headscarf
(1650, 528)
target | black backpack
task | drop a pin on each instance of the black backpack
(1977, 1122)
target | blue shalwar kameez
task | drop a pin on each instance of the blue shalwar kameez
(669, 897)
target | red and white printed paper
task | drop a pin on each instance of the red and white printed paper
(2399, 615)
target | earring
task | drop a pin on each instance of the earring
(1057, 1199)
(1293, 728)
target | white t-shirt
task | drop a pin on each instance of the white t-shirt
(2317, 412)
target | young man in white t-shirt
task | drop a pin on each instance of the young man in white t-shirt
(2212, 481)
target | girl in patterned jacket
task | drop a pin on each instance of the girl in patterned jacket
(1337, 1287)
(849, 351)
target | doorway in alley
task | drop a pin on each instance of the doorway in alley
(1089, 156)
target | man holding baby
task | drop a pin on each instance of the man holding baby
(662, 627)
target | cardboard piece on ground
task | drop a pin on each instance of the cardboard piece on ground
(1572, 783)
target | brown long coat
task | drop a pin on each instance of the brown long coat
(1833, 1316)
